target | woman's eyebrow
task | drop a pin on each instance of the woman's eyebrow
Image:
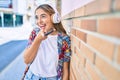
(36, 16)
(40, 14)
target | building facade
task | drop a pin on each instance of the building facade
(12, 12)
(95, 36)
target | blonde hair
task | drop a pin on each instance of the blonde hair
(48, 9)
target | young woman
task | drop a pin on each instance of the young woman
(48, 55)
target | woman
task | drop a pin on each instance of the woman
(48, 56)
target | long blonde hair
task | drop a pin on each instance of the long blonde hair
(48, 9)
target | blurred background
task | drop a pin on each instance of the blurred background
(16, 23)
(94, 28)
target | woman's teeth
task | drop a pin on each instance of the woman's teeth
(42, 27)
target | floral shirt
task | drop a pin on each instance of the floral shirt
(64, 50)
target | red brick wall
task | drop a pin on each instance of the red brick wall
(95, 36)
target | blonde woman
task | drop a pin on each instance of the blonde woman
(48, 55)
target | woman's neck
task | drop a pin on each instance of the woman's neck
(54, 33)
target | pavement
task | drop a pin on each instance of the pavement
(15, 33)
(15, 69)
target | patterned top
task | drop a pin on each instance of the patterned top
(64, 50)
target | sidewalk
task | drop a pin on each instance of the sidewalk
(15, 69)
(15, 33)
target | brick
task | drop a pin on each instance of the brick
(66, 16)
(71, 38)
(77, 23)
(117, 4)
(97, 6)
(110, 26)
(108, 70)
(78, 76)
(72, 75)
(71, 61)
(118, 57)
(69, 23)
(81, 35)
(76, 42)
(74, 60)
(105, 47)
(75, 49)
(79, 12)
(72, 48)
(85, 76)
(88, 25)
(75, 68)
(73, 31)
(66, 27)
(72, 45)
(81, 58)
(94, 75)
(87, 52)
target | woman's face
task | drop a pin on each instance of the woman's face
(43, 20)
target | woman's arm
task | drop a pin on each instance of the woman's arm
(65, 71)
(31, 51)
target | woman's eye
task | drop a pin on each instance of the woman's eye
(36, 17)
(43, 16)
(40, 16)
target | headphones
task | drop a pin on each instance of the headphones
(56, 16)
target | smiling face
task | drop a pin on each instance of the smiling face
(43, 20)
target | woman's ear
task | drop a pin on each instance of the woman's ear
(55, 18)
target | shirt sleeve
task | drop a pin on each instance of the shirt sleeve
(31, 37)
(67, 48)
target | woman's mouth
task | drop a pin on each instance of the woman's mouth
(42, 26)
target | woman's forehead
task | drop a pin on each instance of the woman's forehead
(40, 11)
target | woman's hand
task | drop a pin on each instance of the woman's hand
(40, 35)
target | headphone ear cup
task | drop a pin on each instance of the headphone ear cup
(56, 18)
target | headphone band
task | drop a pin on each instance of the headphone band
(56, 16)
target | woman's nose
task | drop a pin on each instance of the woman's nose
(39, 20)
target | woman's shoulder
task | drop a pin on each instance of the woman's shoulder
(65, 36)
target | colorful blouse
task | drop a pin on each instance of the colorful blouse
(64, 50)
